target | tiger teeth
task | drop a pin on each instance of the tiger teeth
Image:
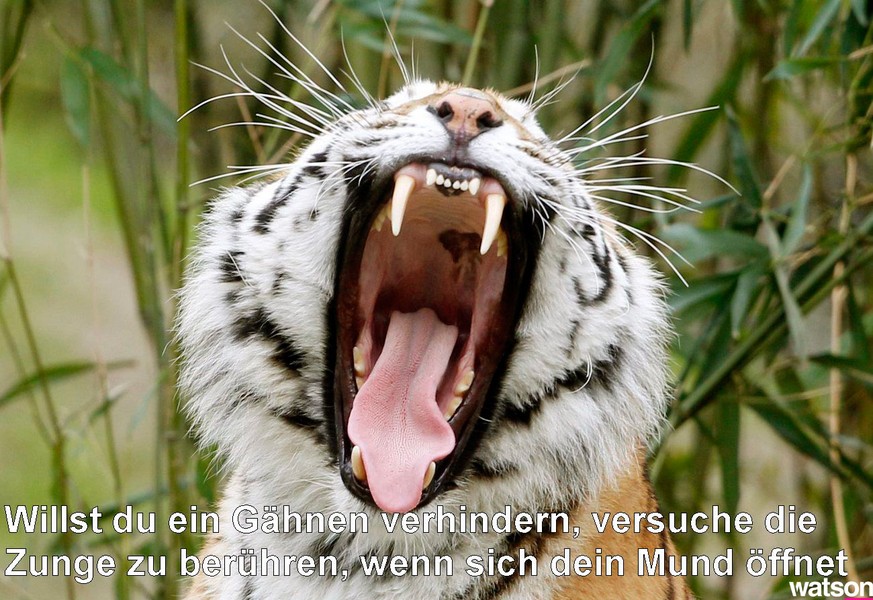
(379, 221)
(433, 179)
(502, 243)
(428, 476)
(461, 388)
(358, 464)
(358, 358)
(465, 383)
(494, 205)
(452, 407)
(403, 187)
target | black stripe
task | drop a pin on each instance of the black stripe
(243, 397)
(581, 296)
(259, 324)
(622, 264)
(523, 415)
(575, 328)
(296, 417)
(332, 544)
(276, 287)
(492, 470)
(266, 216)
(601, 261)
(315, 168)
(228, 264)
(603, 372)
(249, 589)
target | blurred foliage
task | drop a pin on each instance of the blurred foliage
(774, 324)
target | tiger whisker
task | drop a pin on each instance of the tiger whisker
(648, 191)
(273, 119)
(326, 97)
(283, 126)
(306, 108)
(353, 77)
(646, 123)
(304, 48)
(648, 209)
(265, 99)
(238, 170)
(636, 160)
(395, 51)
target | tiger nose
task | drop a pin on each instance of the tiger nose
(465, 113)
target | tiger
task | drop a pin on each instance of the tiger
(427, 309)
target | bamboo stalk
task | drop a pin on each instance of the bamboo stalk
(123, 587)
(838, 304)
(478, 35)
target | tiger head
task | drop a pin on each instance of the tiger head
(428, 305)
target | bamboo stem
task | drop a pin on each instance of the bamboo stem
(478, 35)
(838, 303)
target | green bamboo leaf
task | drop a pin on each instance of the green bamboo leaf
(126, 87)
(717, 202)
(412, 21)
(718, 349)
(746, 290)
(701, 291)
(797, 223)
(791, 67)
(697, 244)
(102, 408)
(728, 440)
(789, 35)
(76, 99)
(822, 19)
(54, 374)
(859, 7)
(441, 35)
(860, 337)
(617, 55)
(783, 422)
(793, 314)
(742, 163)
(856, 368)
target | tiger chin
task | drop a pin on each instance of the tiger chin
(427, 308)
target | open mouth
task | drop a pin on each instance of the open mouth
(427, 301)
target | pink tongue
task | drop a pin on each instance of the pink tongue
(395, 419)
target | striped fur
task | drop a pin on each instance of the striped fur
(583, 390)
